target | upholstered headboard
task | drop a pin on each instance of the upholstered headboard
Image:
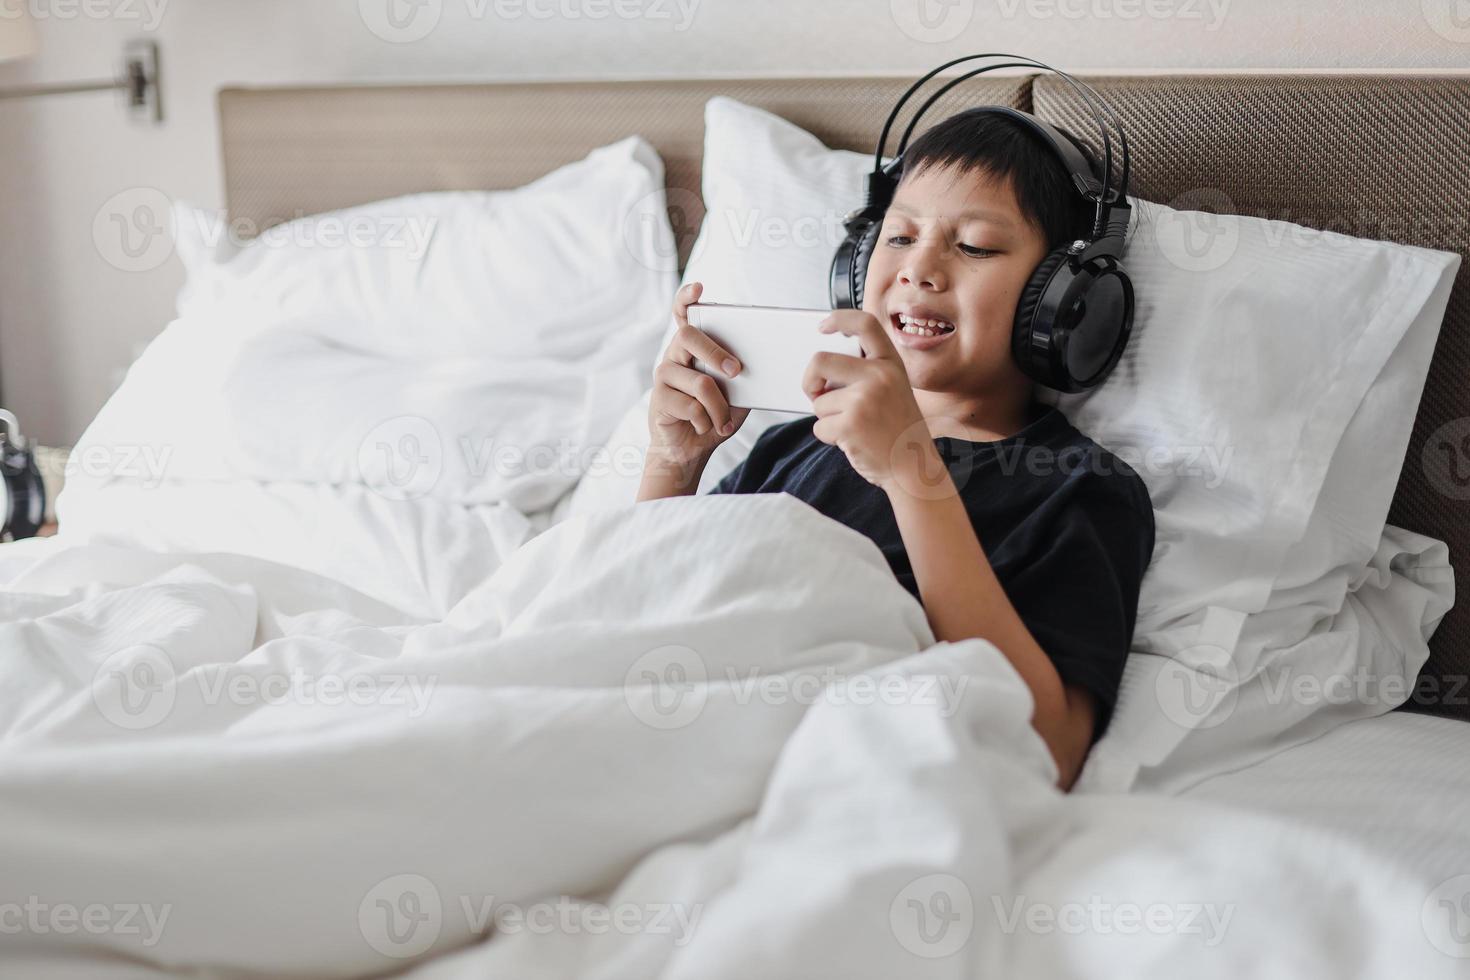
(289, 152)
(1372, 156)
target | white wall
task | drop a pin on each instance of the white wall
(70, 322)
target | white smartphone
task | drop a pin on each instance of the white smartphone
(774, 345)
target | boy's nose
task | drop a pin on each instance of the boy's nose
(924, 275)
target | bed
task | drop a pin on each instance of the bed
(742, 833)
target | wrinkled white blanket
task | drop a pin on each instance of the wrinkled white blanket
(697, 737)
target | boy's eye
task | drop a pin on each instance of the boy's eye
(898, 241)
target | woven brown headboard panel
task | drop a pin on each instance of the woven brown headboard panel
(1377, 157)
(289, 152)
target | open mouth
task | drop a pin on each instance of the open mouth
(922, 326)
(920, 332)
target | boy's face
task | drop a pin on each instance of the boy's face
(953, 247)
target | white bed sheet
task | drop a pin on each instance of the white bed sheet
(177, 740)
(1398, 784)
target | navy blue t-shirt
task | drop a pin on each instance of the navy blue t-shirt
(1067, 526)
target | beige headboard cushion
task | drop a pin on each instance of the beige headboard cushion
(289, 152)
(1373, 156)
(1379, 157)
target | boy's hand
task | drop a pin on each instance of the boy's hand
(688, 416)
(865, 405)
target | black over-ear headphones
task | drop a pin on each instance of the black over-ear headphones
(1076, 312)
(22, 493)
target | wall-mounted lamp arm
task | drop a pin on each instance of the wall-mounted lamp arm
(139, 79)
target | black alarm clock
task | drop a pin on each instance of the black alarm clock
(22, 494)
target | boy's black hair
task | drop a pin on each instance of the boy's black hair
(1005, 149)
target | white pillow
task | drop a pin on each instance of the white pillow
(560, 267)
(1303, 322)
(498, 354)
(1348, 519)
(1240, 380)
(1352, 583)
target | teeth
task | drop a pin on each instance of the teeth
(922, 327)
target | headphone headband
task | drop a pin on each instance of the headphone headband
(1107, 198)
(1075, 313)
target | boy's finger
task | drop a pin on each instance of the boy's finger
(689, 294)
(865, 327)
(682, 300)
(828, 369)
(699, 344)
(703, 388)
(687, 408)
(831, 402)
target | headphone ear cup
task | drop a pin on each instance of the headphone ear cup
(850, 266)
(864, 255)
(22, 494)
(1027, 336)
(1072, 323)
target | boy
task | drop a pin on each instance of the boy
(1006, 522)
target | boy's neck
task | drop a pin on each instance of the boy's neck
(977, 418)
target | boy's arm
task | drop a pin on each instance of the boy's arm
(666, 476)
(964, 599)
